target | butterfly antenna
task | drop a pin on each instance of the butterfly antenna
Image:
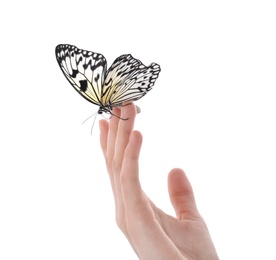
(89, 118)
(93, 123)
(95, 115)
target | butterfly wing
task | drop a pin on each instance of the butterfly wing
(128, 80)
(85, 70)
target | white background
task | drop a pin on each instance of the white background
(211, 112)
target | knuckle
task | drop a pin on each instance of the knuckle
(116, 166)
(120, 223)
(110, 164)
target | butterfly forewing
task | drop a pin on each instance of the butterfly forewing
(84, 70)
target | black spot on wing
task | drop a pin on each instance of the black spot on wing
(74, 73)
(97, 78)
(83, 85)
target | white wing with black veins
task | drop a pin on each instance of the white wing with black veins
(126, 80)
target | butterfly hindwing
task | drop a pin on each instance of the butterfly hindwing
(85, 70)
(128, 80)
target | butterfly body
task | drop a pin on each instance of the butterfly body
(126, 80)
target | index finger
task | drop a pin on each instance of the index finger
(125, 128)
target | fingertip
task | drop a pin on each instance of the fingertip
(176, 172)
(182, 195)
(114, 117)
(103, 125)
(136, 136)
(178, 182)
(176, 175)
(128, 110)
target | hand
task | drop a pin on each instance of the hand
(152, 233)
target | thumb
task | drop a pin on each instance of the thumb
(182, 195)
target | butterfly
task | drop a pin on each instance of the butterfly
(127, 79)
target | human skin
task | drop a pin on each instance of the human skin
(152, 233)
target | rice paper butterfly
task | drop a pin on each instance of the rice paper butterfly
(127, 79)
